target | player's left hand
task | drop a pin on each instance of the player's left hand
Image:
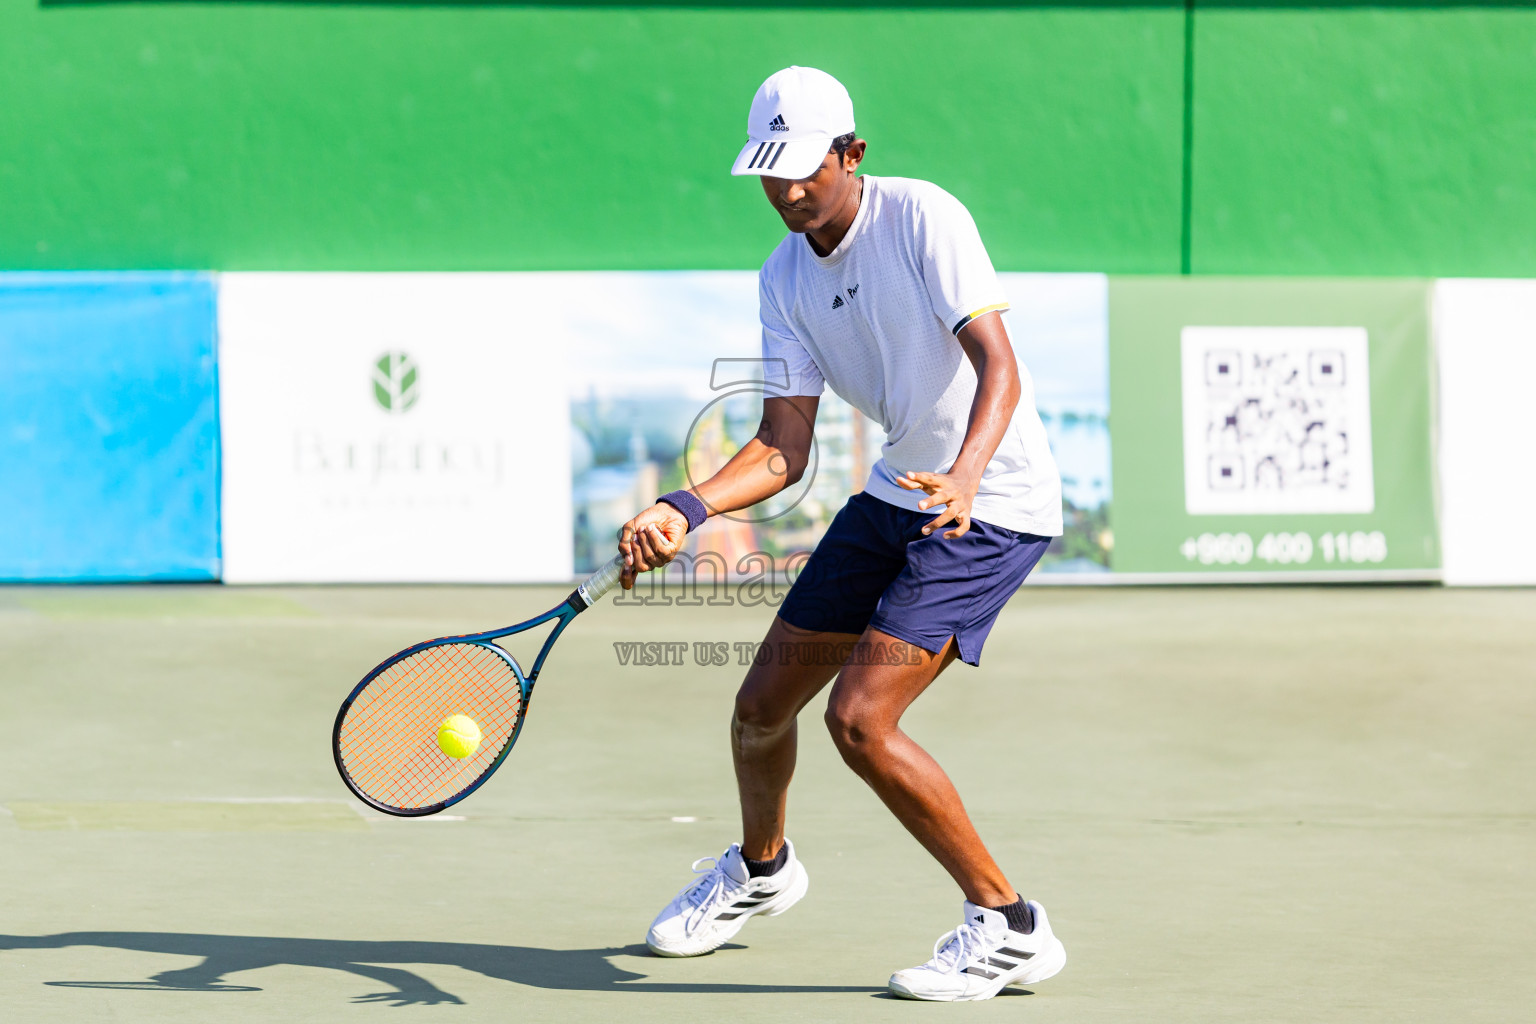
(952, 490)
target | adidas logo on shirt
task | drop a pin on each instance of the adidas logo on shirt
(837, 302)
(777, 124)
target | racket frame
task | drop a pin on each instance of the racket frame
(564, 613)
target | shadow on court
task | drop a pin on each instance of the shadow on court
(223, 955)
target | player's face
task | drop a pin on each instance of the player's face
(810, 204)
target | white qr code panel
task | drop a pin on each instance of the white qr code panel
(1276, 420)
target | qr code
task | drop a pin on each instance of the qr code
(1276, 420)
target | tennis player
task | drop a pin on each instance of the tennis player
(883, 290)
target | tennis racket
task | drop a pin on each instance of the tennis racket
(385, 738)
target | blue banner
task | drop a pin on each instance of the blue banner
(109, 428)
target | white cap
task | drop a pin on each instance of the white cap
(795, 116)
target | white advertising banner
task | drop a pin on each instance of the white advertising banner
(1485, 338)
(392, 428)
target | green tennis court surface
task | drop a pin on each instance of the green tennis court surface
(1276, 805)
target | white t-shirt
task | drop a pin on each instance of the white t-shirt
(877, 320)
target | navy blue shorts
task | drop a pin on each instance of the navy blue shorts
(875, 568)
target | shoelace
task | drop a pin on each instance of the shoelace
(953, 950)
(704, 890)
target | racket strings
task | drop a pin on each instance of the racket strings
(394, 745)
(388, 738)
(426, 689)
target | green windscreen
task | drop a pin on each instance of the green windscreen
(1136, 138)
(382, 137)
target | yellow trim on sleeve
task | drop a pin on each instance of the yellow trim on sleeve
(987, 309)
(983, 311)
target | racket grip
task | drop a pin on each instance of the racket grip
(602, 581)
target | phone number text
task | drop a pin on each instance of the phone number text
(1358, 548)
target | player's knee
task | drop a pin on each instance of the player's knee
(852, 731)
(756, 714)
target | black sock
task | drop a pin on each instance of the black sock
(768, 867)
(1019, 918)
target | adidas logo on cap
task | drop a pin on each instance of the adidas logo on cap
(777, 124)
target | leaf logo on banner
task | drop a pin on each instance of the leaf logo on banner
(395, 383)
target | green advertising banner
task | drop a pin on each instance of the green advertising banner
(1271, 428)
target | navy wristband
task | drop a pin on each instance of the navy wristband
(689, 505)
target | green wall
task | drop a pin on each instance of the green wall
(254, 136)
(488, 137)
(1365, 141)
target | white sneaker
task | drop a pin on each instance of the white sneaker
(713, 907)
(977, 959)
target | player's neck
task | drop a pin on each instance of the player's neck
(824, 241)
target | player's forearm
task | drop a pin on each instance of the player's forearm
(997, 395)
(652, 538)
(757, 472)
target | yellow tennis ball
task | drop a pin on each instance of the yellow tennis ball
(458, 736)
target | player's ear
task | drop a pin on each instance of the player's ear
(853, 155)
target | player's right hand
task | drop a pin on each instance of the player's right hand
(650, 540)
